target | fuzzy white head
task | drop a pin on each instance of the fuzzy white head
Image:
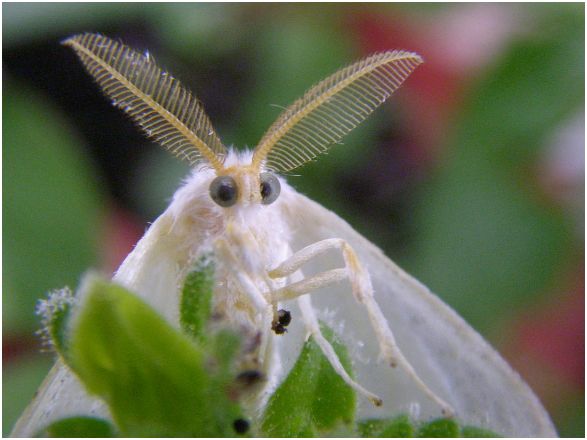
(210, 204)
(237, 217)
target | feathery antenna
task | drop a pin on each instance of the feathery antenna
(331, 109)
(156, 101)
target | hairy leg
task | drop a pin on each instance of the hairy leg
(363, 293)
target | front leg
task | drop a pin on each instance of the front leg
(363, 292)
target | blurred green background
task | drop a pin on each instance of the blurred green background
(472, 177)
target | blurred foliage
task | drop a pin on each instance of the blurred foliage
(51, 213)
(48, 190)
(27, 22)
(477, 231)
(79, 427)
(485, 241)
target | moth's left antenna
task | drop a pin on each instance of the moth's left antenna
(157, 102)
(331, 109)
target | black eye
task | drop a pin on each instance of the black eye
(224, 191)
(270, 188)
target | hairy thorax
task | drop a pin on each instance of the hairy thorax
(245, 242)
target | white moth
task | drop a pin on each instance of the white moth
(276, 249)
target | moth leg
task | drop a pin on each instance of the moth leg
(363, 292)
(313, 327)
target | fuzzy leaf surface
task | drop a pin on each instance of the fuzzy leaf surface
(313, 398)
(155, 380)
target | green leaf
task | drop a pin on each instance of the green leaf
(439, 428)
(399, 427)
(403, 427)
(196, 298)
(76, 427)
(313, 398)
(474, 432)
(156, 381)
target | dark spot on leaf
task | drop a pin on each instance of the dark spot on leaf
(241, 426)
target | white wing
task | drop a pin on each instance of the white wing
(60, 395)
(451, 357)
(151, 267)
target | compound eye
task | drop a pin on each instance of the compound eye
(224, 191)
(270, 188)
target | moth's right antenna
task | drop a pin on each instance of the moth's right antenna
(161, 106)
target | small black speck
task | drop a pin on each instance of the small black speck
(278, 328)
(241, 426)
(283, 317)
(249, 377)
